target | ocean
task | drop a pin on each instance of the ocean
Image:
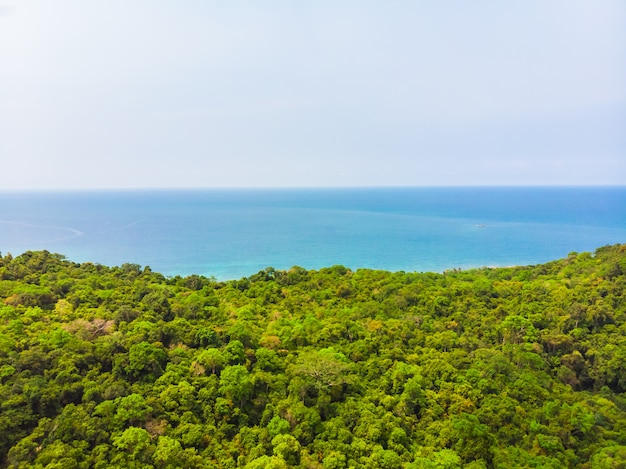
(234, 233)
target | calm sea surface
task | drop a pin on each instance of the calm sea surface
(230, 234)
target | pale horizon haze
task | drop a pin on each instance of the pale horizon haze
(204, 94)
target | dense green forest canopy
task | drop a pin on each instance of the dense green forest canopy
(120, 367)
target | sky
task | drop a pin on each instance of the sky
(215, 93)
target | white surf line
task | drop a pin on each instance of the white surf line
(75, 233)
(132, 223)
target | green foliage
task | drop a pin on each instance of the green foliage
(120, 367)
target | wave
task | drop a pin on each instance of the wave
(125, 227)
(74, 233)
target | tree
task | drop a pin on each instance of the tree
(287, 448)
(135, 441)
(323, 370)
(211, 359)
(145, 361)
(235, 383)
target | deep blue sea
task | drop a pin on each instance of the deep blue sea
(229, 234)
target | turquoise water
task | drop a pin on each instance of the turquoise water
(230, 234)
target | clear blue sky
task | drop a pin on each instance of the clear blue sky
(191, 93)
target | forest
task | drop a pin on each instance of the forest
(122, 367)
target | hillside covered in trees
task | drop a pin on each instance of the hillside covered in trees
(120, 367)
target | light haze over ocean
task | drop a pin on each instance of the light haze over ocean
(156, 94)
(230, 234)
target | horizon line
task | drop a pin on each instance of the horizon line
(292, 188)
